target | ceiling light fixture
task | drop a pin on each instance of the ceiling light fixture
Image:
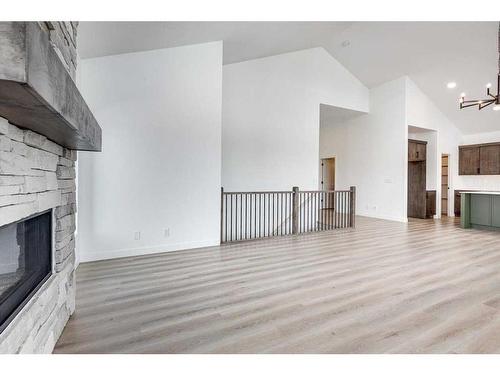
(492, 99)
(451, 85)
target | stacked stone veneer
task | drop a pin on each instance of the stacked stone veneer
(63, 39)
(36, 175)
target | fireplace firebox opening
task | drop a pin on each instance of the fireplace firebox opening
(25, 262)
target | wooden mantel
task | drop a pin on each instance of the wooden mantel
(37, 92)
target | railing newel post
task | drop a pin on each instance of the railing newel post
(295, 210)
(221, 213)
(352, 207)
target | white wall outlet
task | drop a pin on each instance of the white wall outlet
(137, 235)
(166, 232)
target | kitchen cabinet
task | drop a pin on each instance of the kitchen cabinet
(417, 150)
(482, 159)
(468, 160)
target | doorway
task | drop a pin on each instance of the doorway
(444, 184)
(328, 199)
(423, 173)
(328, 174)
(417, 182)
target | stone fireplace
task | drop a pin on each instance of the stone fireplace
(43, 122)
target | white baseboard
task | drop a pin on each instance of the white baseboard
(92, 256)
(385, 217)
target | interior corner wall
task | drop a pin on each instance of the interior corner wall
(370, 153)
(432, 173)
(270, 121)
(423, 113)
(156, 185)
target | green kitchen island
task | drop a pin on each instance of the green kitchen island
(480, 209)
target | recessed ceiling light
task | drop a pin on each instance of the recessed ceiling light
(451, 85)
(346, 43)
(496, 107)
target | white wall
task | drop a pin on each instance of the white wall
(160, 112)
(271, 117)
(371, 153)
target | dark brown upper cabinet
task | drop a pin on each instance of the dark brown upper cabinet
(468, 160)
(416, 150)
(489, 159)
(483, 159)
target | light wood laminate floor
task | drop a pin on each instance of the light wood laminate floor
(384, 287)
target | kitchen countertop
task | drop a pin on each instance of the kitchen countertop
(481, 192)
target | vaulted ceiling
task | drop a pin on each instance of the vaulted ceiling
(431, 53)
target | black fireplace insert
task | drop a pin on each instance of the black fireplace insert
(25, 262)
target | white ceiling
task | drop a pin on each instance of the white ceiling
(330, 115)
(416, 129)
(242, 40)
(431, 53)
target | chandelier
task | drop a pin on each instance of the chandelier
(491, 99)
